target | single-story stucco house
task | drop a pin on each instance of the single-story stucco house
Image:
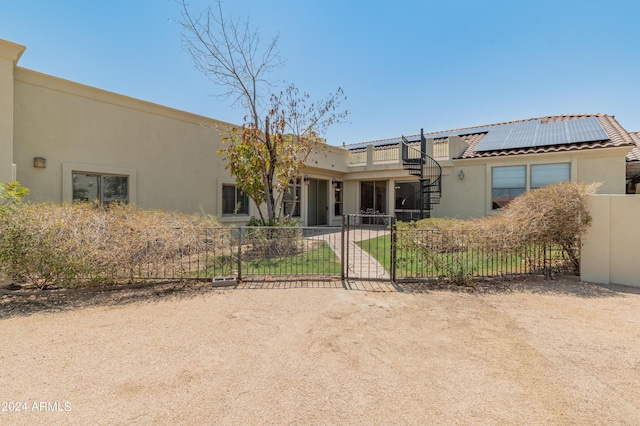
(67, 141)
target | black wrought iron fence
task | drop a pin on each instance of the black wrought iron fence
(294, 252)
(365, 247)
(427, 254)
(207, 255)
(242, 253)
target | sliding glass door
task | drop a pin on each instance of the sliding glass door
(373, 197)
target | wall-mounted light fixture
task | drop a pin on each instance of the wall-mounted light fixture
(306, 180)
(334, 183)
(461, 175)
(39, 162)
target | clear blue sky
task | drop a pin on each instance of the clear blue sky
(404, 65)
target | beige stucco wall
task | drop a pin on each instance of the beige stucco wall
(610, 170)
(331, 160)
(612, 243)
(462, 198)
(170, 154)
(9, 55)
(471, 196)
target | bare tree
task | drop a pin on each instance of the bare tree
(281, 126)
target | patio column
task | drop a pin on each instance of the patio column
(9, 55)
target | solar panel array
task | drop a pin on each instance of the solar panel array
(523, 134)
(534, 133)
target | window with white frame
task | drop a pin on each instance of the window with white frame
(103, 188)
(234, 201)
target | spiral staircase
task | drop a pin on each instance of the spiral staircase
(418, 163)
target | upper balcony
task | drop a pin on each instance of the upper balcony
(371, 155)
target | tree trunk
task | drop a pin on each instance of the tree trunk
(268, 177)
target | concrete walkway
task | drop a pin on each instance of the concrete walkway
(360, 264)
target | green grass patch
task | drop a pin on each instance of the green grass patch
(413, 261)
(320, 260)
(379, 248)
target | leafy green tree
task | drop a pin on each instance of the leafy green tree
(11, 194)
(281, 126)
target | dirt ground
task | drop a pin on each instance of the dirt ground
(532, 352)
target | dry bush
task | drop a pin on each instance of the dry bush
(554, 214)
(440, 235)
(69, 244)
(278, 238)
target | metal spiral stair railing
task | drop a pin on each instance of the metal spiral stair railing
(418, 163)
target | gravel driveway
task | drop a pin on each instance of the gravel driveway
(559, 352)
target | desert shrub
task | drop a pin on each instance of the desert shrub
(443, 235)
(554, 214)
(278, 238)
(69, 244)
(279, 222)
(441, 243)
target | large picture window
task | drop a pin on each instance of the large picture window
(103, 188)
(506, 184)
(234, 201)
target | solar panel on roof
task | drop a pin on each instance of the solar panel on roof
(588, 129)
(522, 134)
(549, 133)
(534, 133)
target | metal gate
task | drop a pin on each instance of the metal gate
(368, 247)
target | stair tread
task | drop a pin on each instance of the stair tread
(431, 191)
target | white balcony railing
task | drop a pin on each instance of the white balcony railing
(386, 154)
(390, 154)
(358, 157)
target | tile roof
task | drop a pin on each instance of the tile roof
(474, 135)
(634, 155)
(617, 137)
